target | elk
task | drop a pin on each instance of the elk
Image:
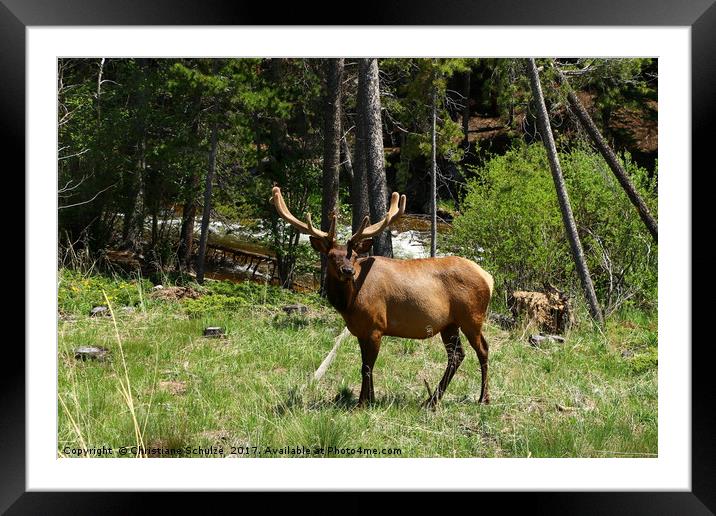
(415, 299)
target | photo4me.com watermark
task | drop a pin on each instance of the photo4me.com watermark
(229, 451)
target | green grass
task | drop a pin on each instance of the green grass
(593, 396)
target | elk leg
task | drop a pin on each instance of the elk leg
(369, 353)
(455, 353)
(479, 344)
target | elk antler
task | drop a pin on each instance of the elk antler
(303, 227)
(396, 210)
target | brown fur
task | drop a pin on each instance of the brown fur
(414, 299)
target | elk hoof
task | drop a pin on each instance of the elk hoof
(430, 404)
(484, 401)
(365, 403)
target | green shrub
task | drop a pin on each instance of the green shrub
(79, 293)
(253, 293)
(213, 304)
(512, 225)
(227, 295)
(647, 360)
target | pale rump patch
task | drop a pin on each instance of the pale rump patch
(486, 276)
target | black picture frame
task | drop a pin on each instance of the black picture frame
(700, 15)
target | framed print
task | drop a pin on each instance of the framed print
(200, 114)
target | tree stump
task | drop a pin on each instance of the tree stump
(549, 310)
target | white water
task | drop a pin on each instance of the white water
(406, 245)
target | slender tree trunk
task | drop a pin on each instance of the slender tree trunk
(369, 87)
(466, 109)
(567, 216)
(284, 241)
(186, 244)
(99, 92)
(331, 148)
(134, 218)
(611, 159)
(359, 185)
(155, 227)
(459, 175)
(186, 234)
(204, 237)
(433, 176)
(347, 164)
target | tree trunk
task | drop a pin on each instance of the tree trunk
(155, 227)
(99, 92)
(346, 155)
(567, 216)
(186, 243)
(611, 159)
(134, 217)
(204, 236)
(466, 109)
(285, 243)
(369, 99)
(186, 235)
(433, 176)
(331, 148)
(359, 185)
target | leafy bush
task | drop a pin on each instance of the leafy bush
(212, 304)
(257, 294)
(647, 360)
(512, 225)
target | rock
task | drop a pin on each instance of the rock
(92, 352)
(537, 340)
(563, 408)
(128, 309)
(505, 322)
(627, 353)
(173, 387)
(297, 308)
(444, 215)
(99, 310)
(158, 287)
(540, 338)
(213, 331)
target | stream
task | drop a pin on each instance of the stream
(411, 239)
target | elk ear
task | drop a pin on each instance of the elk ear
(319, 245)
(363, 246)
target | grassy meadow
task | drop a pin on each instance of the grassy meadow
(251, 393)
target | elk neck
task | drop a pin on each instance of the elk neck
(341, 294)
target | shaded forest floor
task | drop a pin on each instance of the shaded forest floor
(593, 396)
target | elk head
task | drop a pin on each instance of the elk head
(340, 258)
